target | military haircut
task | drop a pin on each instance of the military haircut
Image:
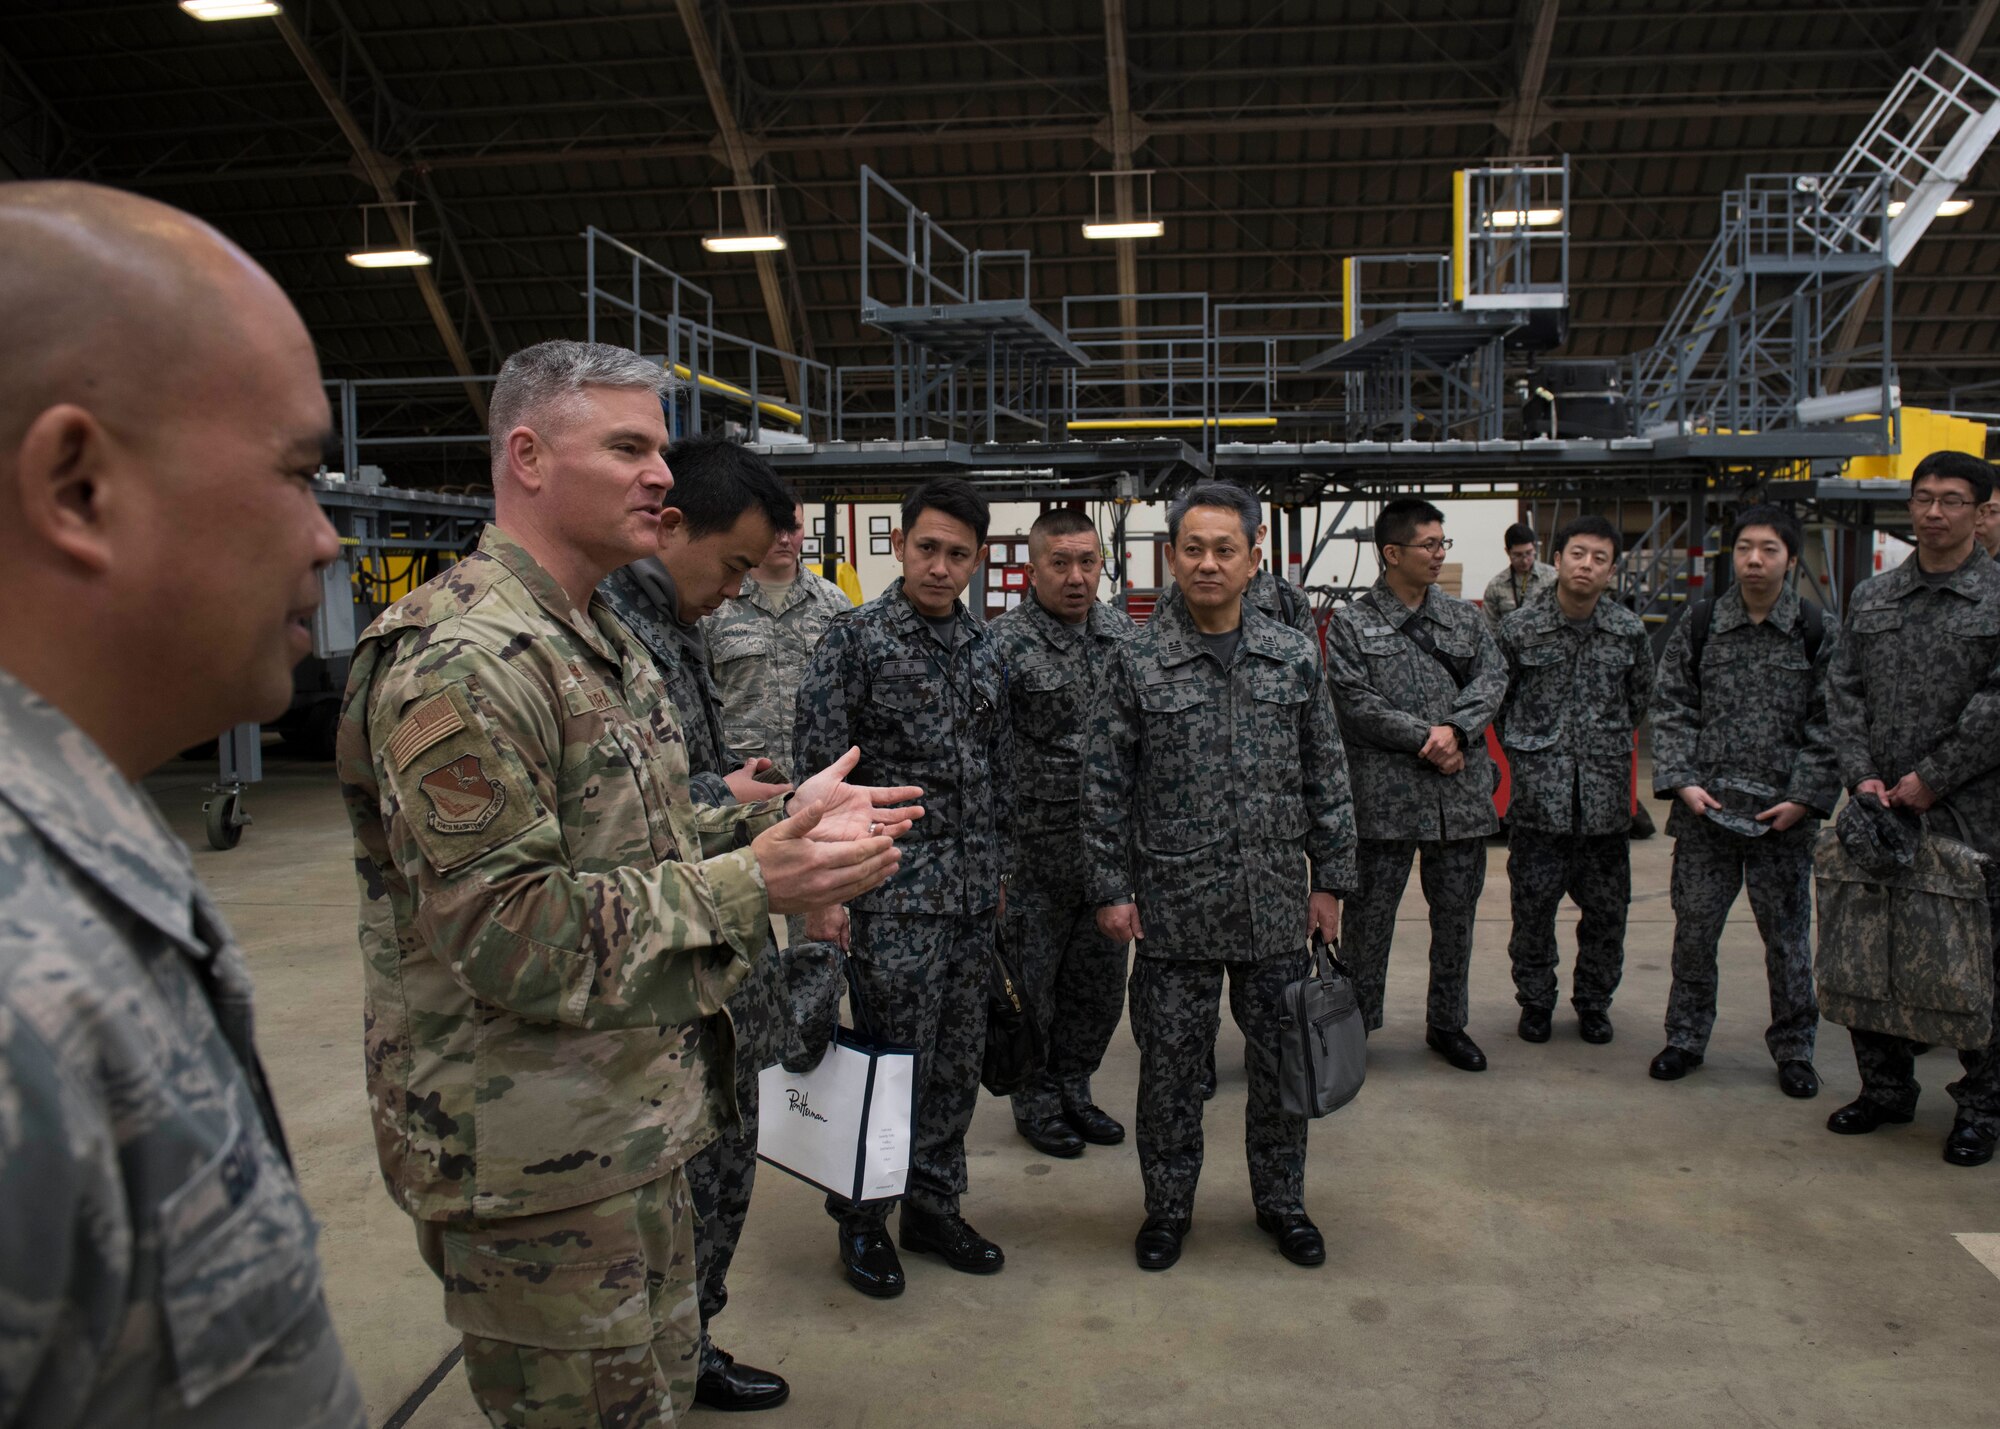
(1963, 466)
(1777, 518)
(1400, 518)
(1592, 525)
(539, 381)
(1223, 496)
(716, 480)
(1051, 525)
(1519, 534)
(952, 496)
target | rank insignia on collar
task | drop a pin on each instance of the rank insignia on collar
(463, 799)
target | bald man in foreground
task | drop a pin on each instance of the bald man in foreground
(161, 398)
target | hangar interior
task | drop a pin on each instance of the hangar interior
(1526, 258)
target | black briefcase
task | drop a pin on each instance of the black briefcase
(1015, 1047)
(1322, 1045)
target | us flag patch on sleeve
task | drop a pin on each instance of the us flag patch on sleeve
(436, 718)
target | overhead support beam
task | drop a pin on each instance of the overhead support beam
(1863, 311)
(1522, 119)
(381, 174)
(739, 155)
(1123, 146)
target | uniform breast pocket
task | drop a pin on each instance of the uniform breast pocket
(905, 694)
(1382, 647)
(1877, 620)
(1981, 622)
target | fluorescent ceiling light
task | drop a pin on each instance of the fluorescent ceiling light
(1534, 218)
(389, 258)
(228, 9)
(743, 243)
(1950, 208)
(1150, 228)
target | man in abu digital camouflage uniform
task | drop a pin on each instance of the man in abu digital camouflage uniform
(157, 1262)
(715, 525)
(916, 682)
(1057, 645)
(1416, 679)
(1579, 679)
(1215, 775)
(549, 928)
(1740, 743)
(1913, 700)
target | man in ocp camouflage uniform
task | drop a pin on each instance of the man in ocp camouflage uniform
(1740, 743)
(916, 682)
(1215, 774)
(758, 646)
(715, 525)
(1526, 577)
(1057, 645)
(1416, 679)
(549, 928)
(1579, 679)
(157, 1263)
(1913, 700)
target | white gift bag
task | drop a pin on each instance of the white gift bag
(845, 1126)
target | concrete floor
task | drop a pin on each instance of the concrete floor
(1560, 1241)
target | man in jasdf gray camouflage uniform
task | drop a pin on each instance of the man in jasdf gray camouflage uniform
(1215, 774)
(916, 682)
(1416, 679)
(549, 927)
(157, 1263)
(1057, 645)
(1579, 679)
(720, 516)
(1740, 743)
(1913, 700)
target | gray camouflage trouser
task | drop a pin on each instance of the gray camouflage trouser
(924, 977)
(1595, 870)
(1710, 864)
(1888, 1064)
(1453, 874)
(722, 1174)
(1176, 1008)
(1076, 983)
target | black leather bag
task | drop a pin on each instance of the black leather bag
(1015, 1046)
(1322, 1045)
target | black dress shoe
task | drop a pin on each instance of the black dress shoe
(1673, 1064)
(1094, 1124)
(873, 1267)
(1594, 1027)
(1858, 1118)
(1299, 1240)
(1535, 1024)
(950, 1238)
(1051, 1136)
(1158, 1244)
(1968, 1145)
(1456, 1048)
(1797, 1078)
(725, 1384)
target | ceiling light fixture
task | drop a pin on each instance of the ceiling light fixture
(759, 233)
(1532, 218)
(1950, 208)
(229, 9)
(1129, 218)
(402, 253)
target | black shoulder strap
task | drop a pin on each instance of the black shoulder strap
(1815, 623)
(1413, 630)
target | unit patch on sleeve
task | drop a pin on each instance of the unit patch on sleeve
(463, 799)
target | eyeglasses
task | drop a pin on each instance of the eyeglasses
(1951, 504)
(1436, 546)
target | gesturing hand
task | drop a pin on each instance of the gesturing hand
(855, 811)
(802, 873)
(747, 785)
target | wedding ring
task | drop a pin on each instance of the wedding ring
(873, 829)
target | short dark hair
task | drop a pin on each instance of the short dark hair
(951, 496)
(1964, 466)
(1400, 518)
(1221, 495)
(1592, 525)
(1519, 534)
(717, 480)
(1062, 521)
(1777, 518)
